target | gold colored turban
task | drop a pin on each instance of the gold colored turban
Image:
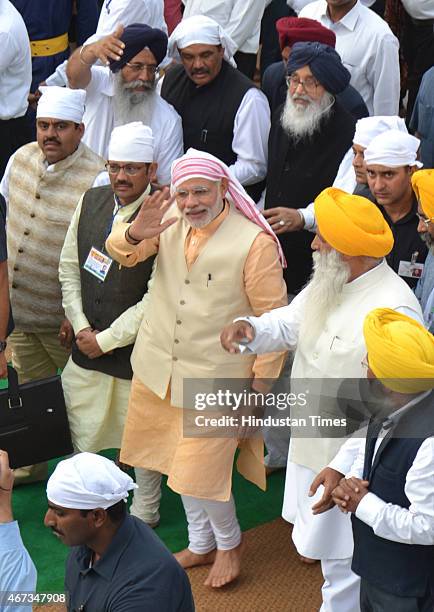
(351, 224)
(400, 351)
(423, 186)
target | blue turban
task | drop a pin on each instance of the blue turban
(324, 63)
(136, 37)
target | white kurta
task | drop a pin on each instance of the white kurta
(241, 19)
(369, 50)
(96, 402)
(337, 353)
(98, 119)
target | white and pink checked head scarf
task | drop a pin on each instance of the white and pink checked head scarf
(198, 164)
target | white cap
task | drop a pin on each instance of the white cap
(394, 149)
(61, 103)
(200, 30)
(132, 142)
(87, 481)
(370, 127)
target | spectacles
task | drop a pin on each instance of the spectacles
(129, 169)
(309, 84)
(425, 220)
(197, 192)
(138, 67)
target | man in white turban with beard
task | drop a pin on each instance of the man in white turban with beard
(324, 324)
(308, 139)
(123, 90)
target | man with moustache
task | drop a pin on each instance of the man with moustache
(390, 487)
(222, 111)
(217, 256)
(124, 90)
(105, 305)
(423, 186)
(42, 184)
(298, 29)
(390, 160)
(323, 324)
(308, 140)
(116, 562)
(351, 176)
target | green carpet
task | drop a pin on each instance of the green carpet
(254, 507)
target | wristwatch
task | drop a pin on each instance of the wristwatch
(3, 345)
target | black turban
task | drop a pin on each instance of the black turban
(324, 63)
(136, 37)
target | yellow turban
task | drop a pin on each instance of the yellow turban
(423, 187)
(351, 224)
(400, 351)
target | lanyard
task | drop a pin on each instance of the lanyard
(118, 207)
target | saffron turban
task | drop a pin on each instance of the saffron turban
(400, 351)
(324, 63)
(61, 103)
(198, 164)
(351, 224)
(201, 30)
(423, 186)
(132, 142)
(87, 481)
(292, 30)
(393, 148)
(137, 37)
(370, 127)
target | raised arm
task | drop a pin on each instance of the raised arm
(78, 69)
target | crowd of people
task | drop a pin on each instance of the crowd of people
(215, 195)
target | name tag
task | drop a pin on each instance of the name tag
(410, 270)
(98, 264)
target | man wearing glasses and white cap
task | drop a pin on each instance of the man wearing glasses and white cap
(103, 301)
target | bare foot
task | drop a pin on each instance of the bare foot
(186, 558)
(308, 560)
(226, 568)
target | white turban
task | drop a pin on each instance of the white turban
(393, 148)
(132, 142)
(370, 127)
(61, 103)
(200, 30)
(87, 481)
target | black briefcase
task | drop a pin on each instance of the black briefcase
(33, 422)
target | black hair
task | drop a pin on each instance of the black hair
(116, 513)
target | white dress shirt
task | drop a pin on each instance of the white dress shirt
(419, 9)
(241, 19)
(126, 12)
(297, 5)
(250, 141)
(369, 50)
(413, 525)
(98, 118)
(15, 63)
(123, 330)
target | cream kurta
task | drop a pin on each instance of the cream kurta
(96, 402)
(153, 434)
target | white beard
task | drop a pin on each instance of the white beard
(330, 275)
(303, 121)
(132, 106)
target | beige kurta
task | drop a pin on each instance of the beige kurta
(153, 435)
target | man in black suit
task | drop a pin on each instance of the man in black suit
(292, 30)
